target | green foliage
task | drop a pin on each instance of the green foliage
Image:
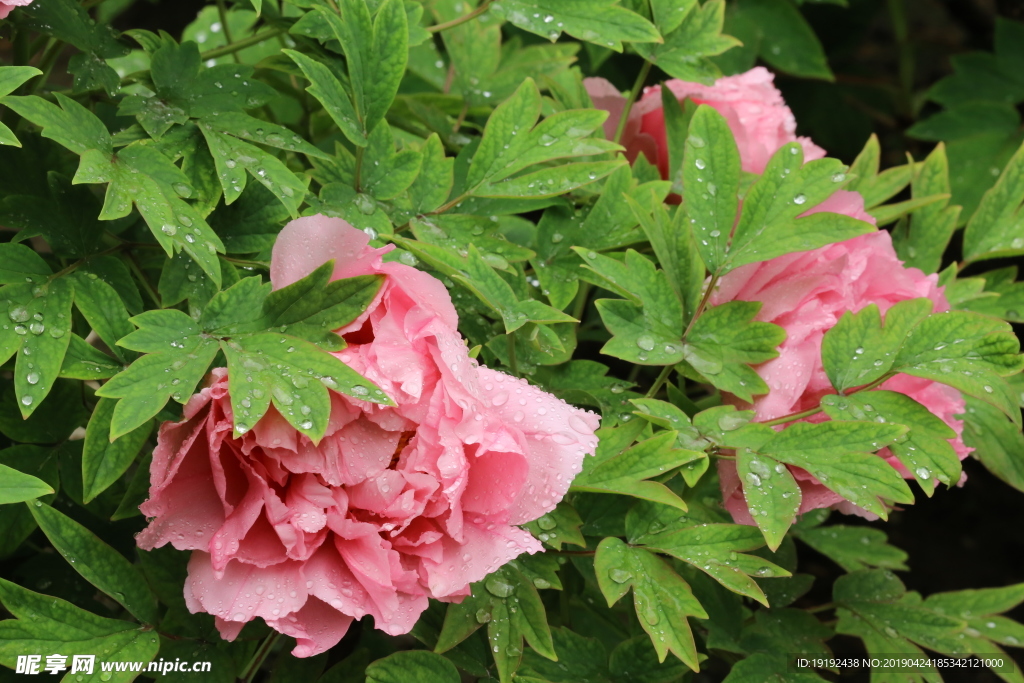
(141, 195)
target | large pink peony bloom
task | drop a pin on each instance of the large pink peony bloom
(396, 504)
(758, 117)
(807, 293)
(7, 6)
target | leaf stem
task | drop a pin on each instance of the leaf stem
(134, 266)
(262, 652)
(821, 608)
(449, 205)
(232, 48)
(662, 378)
(814, 411)
(437, 28)
(631, 100)
(704, 299)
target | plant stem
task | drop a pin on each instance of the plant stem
(359, 168)
(579, 306)
(662, 378)
(253, 667)
(242, 44)
(222, 9)
(513, 364)
(631, 100)
(463, 19)
(46, 63)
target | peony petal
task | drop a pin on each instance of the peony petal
(244, 591)
(557, 437)
(482, 552)
(316, 628)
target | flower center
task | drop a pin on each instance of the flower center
(402, 443)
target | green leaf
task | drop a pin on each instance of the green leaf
(104, 310)
(70, 125)
(413, 666)
(473, 273)
(714, 549)
(45, 623)
(877, 597)
(854, 547)
(327, 89)
(41, 320)
(686, 49)
(54, 421)
(262, 132)
(558, 527)
(770, 224)
(993, 230)
(65, 215)
(11, 77)
(839, 455)
(787, 42)
(627, 472)
(68, 21)
(663, 600)
(677, 253)
(711, 178)
(648, 333)
(967, 351)
(974, 603)
(295, 375)
(376, 54)
(19, 264)
(84, 361)
(508, 602)
(233, 158)
(436, 177)
(965, 119)
(17, 487)
(165, 372)
(932, 226)
(511, 143)
(103, 460)
(141, 175)
(251, 223)
(97, 562)
(857, 350)
(387, 173)
(602, 22)
(997, 441)
(772, 494)
(926, 452)
(725, 340)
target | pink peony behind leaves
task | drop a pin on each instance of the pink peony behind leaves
(396, 504)
(7, 6)
(806, 294)
(758, 117)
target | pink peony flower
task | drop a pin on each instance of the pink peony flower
(7, 6)
(807, 293)
(753, 106)
(396, 504)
